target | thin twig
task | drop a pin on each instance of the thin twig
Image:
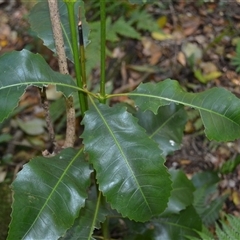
(50, 127)
(63, 68)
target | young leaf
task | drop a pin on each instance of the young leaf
(39, 19)
(21, 69)
(48, 194)
(166, 127)
(219, 109)
(129, 167)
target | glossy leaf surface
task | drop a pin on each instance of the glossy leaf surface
(129, 168)
(48, 194)
(39, 19)
(219, 109)
(21, 69)
(166, 127)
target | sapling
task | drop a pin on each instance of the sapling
(120, 171)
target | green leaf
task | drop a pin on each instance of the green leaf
(21, 69)
(176, 226)
(230, 165)
(166, 127)
(182, 193)
(227, 231)
(113, 29)
(143, 20)
(39, 19)
(205, 234)
(48, 194)
(124, 29)
(206, 206)
(205, 178)
(212, 211)
(219, 109)
(90, 217)
(5, 137)
(129, 168)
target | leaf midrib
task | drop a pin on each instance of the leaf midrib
(121, 151)
(53, 191)
(183, 103)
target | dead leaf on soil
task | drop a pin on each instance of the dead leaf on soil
(181, 59)
(151, 50)
(190, 24)
(161, 36)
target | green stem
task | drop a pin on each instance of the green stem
(103, 51)
(105, 230)
(73, 27)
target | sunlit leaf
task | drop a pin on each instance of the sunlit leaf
(48, 194)
(21, 69)
(129, 167)
(219, 108)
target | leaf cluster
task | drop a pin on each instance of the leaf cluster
(120, 171)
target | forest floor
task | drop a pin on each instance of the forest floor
(199, 42)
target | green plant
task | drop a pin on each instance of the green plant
(226, 229)
(120, 171)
